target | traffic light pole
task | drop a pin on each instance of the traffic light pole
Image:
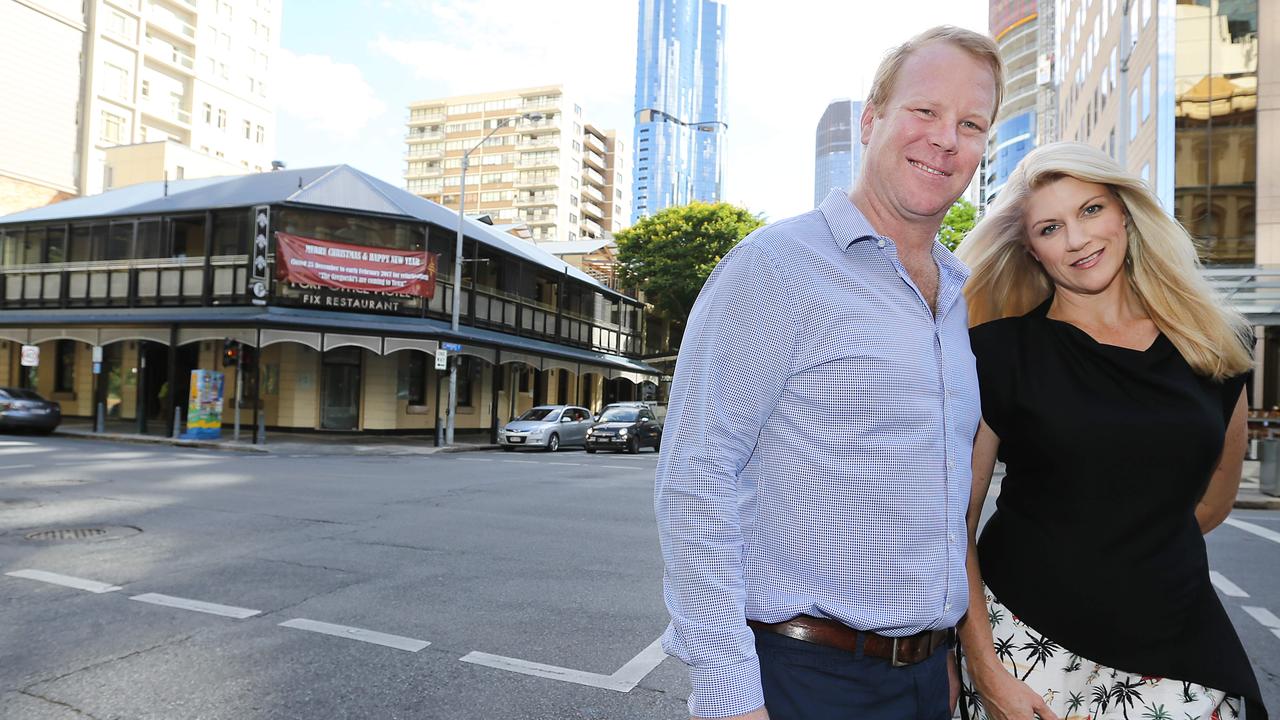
(239, 388)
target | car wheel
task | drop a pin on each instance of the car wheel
(633, 446)
(591, 450)
(507, 448)
(553, 443)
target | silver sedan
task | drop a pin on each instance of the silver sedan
(547, 427)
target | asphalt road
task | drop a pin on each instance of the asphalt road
(495, 585)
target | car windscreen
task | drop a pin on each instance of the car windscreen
(620, 415)
(537, 414)
(20, 394)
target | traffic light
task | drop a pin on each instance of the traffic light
(230, 352)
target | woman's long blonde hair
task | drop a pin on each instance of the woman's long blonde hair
(1161, 262)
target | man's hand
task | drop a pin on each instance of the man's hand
(758, 714)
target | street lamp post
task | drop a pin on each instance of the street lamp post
(457, 269)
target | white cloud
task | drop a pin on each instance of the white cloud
(326, 95)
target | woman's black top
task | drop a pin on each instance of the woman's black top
(1094, 541)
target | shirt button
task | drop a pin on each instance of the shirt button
(951, 464)
(880, 243)
(948, 606)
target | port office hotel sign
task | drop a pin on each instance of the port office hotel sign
(339, 275)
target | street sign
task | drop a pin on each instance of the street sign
(97, 368)
(442, 359)
(455, 347)
(30, 356)
(97, 353)
(259, 279)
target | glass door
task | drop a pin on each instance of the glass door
(340, 390)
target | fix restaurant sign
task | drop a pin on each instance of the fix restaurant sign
(324, 263)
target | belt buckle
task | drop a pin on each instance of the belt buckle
(893, 657)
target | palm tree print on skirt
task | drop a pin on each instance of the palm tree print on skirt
(1077, 689)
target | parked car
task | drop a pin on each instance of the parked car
(26, 410)
(549, 427)
(625, 426)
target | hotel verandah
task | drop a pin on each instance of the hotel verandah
(159, 276)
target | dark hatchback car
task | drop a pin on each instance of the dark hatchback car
(625, 426)
(26, 410)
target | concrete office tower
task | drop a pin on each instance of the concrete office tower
(536, 172)
(1178, 94)
(837, 155)
(680, 111)
(102, 74)
(1014, 26)
(604, 191)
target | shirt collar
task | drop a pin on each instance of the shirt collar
(848, 224)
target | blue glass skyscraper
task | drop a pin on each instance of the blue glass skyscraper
(837, 154)
(680, 120)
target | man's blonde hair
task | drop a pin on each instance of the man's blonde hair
(976, 44)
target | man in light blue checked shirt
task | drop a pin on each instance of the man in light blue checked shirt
(815, 467)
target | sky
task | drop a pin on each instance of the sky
(348, 69)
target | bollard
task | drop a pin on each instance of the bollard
(177, 422)
(262, 429)
(100, 420)
(1269, 466)
(439, 432)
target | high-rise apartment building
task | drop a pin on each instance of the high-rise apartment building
(1014, 26)
(679, 107)
(99, 74)
(542, 166)
(837, 155)
(1172, 90)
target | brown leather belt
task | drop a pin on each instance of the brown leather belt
(899, 651)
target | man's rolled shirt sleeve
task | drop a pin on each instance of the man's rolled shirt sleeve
(738, 351)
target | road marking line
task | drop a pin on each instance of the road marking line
(1258, 530)
(1264, 616)
(1226, 586)
(641, 665)
(15, 467)
(521, 462)
(196, 605)
(566, 464)
(353, 633)
(83, 462)
(619, 467)
(475, 460)
(624, 680)
(92, 586)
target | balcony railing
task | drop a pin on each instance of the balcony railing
(170, 54)
(593, 142)
(422, 136)
(589, 191)
(167, 112)
(165, 20)
(127, 283)
(536, 199)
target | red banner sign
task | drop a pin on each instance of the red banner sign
(307, 261)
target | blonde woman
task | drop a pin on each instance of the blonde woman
(1112, 386)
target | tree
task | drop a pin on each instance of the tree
(669, 255)
(959, 220)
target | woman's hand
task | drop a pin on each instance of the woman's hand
(1005, 697)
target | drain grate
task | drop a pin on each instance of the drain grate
(66, 534)
(109, 532)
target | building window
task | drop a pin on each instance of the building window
(64, 374)
(115, 80)
(113, 128)
(1133, 114)
(413, 377)
(208, 117)
(248, 130)
(260, 135)
(1146, 93)
(222, 119)
(467, 367)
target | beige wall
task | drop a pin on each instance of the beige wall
(1268, 187)
(17, 195)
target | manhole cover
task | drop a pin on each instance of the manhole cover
(81, 533)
